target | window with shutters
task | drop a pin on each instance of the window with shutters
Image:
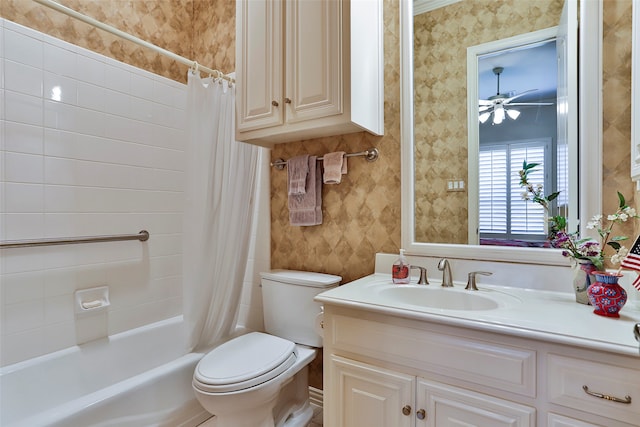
(503, 212)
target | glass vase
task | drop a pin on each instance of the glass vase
(606, 295)
(583, 277)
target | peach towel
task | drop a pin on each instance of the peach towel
(297, 171)
(335, 165)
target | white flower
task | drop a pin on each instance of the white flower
(618, 257)
(629, 211)
(525, 195)
(623, 217)
(612, 217)
(595, 222)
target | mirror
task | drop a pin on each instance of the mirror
(450, 120)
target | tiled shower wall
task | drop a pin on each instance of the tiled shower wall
(90, 146)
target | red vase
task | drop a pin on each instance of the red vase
(606, 295)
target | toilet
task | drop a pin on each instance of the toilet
(261, 379)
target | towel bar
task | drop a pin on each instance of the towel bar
(371, 155)
(142, 236)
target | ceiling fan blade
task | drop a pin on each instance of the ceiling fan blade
(507, 100)
(485, 102)
(485, 108)
(524, 104)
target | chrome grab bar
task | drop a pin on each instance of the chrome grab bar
(142, 236)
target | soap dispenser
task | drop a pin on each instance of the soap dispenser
(400, 270)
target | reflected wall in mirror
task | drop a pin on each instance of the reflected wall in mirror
(441, 39)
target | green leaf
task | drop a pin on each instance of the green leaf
(623, 203)
(527, 166)
(614, 245)
(553, 196)
(619, 238)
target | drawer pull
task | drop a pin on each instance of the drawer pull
(627, 399)
(406, 410)
(421, 414)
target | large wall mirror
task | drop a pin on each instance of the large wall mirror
(485, 85)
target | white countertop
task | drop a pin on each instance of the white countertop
(537, 314)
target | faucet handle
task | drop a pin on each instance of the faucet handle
(423, 275)
(471, 282)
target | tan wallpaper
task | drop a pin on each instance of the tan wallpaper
(203, 30)
(361, 215)
(616, 121)
(441, 38)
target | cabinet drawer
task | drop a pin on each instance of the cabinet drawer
(503, 367)
(568, 376)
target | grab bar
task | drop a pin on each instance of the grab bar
(142, 236)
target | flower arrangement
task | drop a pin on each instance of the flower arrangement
(571, 244)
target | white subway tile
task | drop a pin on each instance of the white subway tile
(60, 61)
(142, 109)
(27, 168)
(22, 287)
(23, 108)
(21, 346)
(60, 88)
(22, 48)
(23, 78)
(23, 198)
(91, 96)
(141, 86)
(118, 103)
(21, 317)
(59, 309)
(22, 138)
(23, 226)
(90, 69)
(59, 336)
(117, 77)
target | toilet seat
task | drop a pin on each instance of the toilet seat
(244, 362)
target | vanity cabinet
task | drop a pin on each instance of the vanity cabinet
(308, 69)
(386, 370)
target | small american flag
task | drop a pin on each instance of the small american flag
(632, 261)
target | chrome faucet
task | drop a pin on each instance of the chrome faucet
(444, 266)
(422, 280)
(471, 282)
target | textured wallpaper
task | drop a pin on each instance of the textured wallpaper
(616, 100)
(440, 85)
(203, 30)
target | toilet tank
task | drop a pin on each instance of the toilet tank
(287, 302)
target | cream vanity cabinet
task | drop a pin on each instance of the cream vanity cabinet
(308, 69)
(383, 370)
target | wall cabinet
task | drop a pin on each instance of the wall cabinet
(382, 370)
(308, 69)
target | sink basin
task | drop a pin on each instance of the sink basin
(445, 298)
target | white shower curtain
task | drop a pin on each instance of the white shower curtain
(219, 194)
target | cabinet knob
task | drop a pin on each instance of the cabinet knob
(287, 101)
(274, 103)
(421, 414)
(406, 410)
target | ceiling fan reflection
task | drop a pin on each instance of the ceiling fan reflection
(498, 103)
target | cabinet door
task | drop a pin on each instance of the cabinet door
(445, 405)
(365, 395)
(259, 64)
(314, 59)
(554, 420)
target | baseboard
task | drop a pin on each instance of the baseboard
(316, 397)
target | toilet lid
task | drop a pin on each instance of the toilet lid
(244, 362)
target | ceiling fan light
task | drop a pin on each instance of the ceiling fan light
(484, 116)
(514, 114)
(498, 115)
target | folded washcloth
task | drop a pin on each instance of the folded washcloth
(297, 171)
(335, 165)
(306, 209)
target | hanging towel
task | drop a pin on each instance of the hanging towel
(306, 209)
(297, 172)
(335, 165)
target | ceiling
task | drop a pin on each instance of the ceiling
(525, 68)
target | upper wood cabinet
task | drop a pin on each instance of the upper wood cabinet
(308, 68)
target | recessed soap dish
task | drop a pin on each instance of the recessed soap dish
(92, 300)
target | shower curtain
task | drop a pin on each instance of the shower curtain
(219, 194)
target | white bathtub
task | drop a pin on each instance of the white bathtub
(136, 378)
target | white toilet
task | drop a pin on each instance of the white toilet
(261, 379)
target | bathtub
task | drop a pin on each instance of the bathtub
(141, 377)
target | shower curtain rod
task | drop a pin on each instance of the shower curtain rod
(91, 21)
